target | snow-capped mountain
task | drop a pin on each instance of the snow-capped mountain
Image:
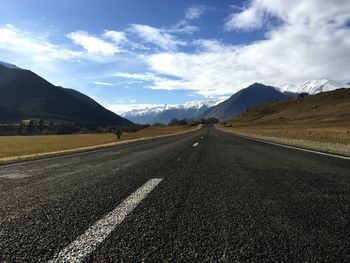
(143, 112)
(164, 114)
(199, 104)
(315, 86)
(145, 116)
(7, 65)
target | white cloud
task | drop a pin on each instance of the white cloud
(94, 45)
(194, 12)
(182, 27)
(136, 76)
(158, 82)
(157, 37)
(206, 72)
(312, 41)
(296, 12)
(103, 83)
(115, 36)
(14, 39)
(250, 18)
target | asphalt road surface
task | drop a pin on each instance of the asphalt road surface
(205, 196)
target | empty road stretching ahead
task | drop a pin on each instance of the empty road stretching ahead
(204, 196)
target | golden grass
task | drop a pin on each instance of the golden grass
(331, 139)
(327, 133)
(320, 122)
(14, 148)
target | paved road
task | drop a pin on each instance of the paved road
(205, 196)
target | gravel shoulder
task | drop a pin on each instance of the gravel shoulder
(315, 139)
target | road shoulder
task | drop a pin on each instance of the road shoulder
(322, 147)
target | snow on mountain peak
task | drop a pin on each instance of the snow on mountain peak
(187, 106)
(148, 110)
(314, 86)
(199, 104)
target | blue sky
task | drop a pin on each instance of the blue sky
(135, 53)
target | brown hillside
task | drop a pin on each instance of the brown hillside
(320, 122)
(331, 108)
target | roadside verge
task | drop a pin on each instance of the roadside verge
(43, 155)
(323, 147)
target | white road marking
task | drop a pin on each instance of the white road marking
(15, 176)
(49, 166)
(294, 147)
(202, 137)
(87, 242)
(194, 145)
(126, 165)
(50, 158)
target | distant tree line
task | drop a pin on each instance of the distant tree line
(193, 122)
(49, 127)
(52, 127)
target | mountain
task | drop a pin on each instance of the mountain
(190, 110)
(164, 114)
(8, 114)
(327, 109)
(316, 86)
(30, 96)
(242, 100)
(7, 65)
(145, 116)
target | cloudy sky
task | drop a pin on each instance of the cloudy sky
(135, 53)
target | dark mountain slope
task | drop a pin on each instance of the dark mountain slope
(8, 114)
(178, 113)
(242, 100)
(35, 97)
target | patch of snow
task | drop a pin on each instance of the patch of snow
(146, 111)
(187, 106)
(314, 86)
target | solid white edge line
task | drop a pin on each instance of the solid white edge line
(196, 144)
(48, 158)
(98, 232)
(292, 147)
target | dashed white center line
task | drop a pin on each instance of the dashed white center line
(126, 165)
(194, 145)
(87, 242)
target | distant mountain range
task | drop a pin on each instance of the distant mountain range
(23, 94)
(315, 86)
(164, 114)
(239, 102)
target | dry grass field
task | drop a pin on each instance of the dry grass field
(319, 122)
(28, 147)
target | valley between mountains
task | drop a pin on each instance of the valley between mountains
(314, 114)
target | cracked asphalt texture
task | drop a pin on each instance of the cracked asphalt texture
(229, 199)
